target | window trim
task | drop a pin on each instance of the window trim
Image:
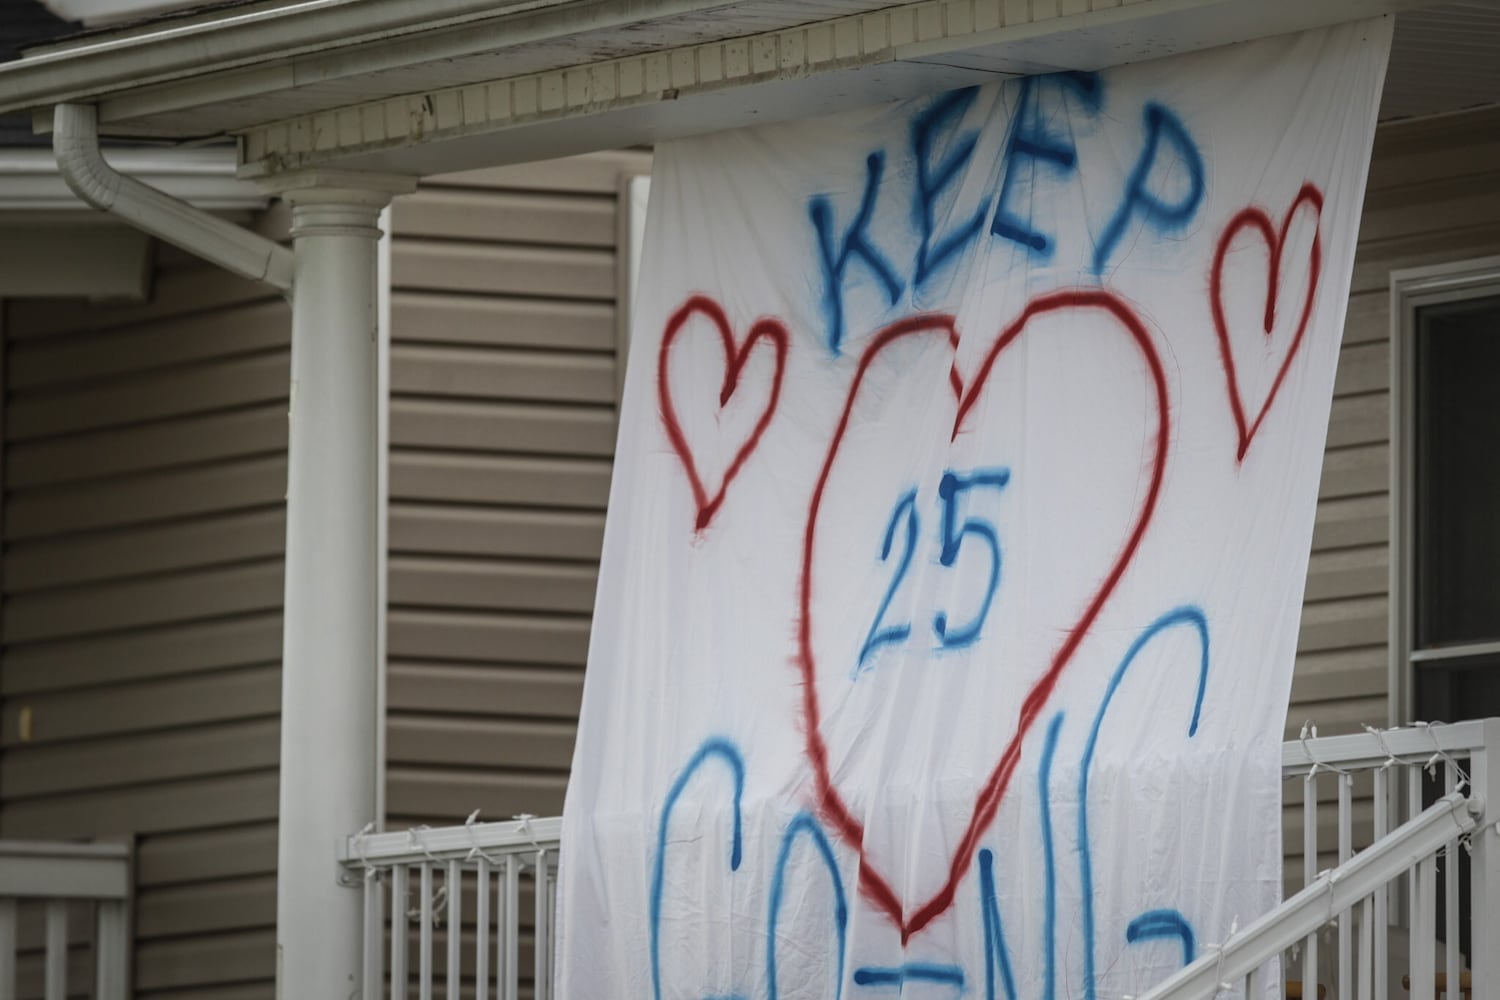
(1411, 289)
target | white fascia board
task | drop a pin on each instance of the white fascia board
(205, 178)
(895, 52)
(194, 46)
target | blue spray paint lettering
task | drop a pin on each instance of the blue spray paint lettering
(835, 259)
(1049, 861)
(1186, 615)
(1155, 924)
(911, 972)
(951, 489)
(1030, 139)
(804, 823)
(715, 747)
(881, 636)
(1162, 215)
(995, 951)
(934, 177)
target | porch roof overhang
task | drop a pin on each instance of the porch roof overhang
(440, 85)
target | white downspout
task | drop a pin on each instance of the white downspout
(75, 142)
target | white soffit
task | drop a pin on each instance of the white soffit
(1443, 59)
(897, 51)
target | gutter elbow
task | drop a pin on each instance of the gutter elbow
(75, 144)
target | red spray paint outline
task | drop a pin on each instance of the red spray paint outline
(734, 362)
(1256, 218)
(872, 884)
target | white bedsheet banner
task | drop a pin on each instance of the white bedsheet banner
(956, 545)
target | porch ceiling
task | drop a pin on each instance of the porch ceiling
(467, 83)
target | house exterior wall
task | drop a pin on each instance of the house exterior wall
(1433, 197)
(145, 469)
(504, 376)
(144, 523)
(143, 530)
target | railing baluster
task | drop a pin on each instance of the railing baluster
(1366, 947)
(7, 949)
(57, 950)
(482, 931)
(424, 934)
(1309, 873)
(111, 950)
(1382, 897)
(1415, 945)
(503, 917)
(1484, 870)
(371, 970)
(1424, 930)
(543, 957)
(512, 927)
(399, 934)
(1450, 896)
(454, 968)
(1346, 919)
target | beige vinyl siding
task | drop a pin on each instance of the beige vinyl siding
(502, 430)
(1433, 196)
(143, 528)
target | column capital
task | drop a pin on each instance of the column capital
(324, 186)
(330, 202)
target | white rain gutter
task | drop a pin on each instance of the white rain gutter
(75, 141)
(204, 177)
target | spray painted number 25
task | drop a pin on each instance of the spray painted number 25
(951, 491)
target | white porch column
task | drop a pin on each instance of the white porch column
(329, 670)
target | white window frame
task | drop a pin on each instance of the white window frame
(1411, 289)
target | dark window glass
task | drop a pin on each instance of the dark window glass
(1457, 473)
(1451, 691)
(1456, 506)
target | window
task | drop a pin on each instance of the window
(1445, 606)
(1446, 577)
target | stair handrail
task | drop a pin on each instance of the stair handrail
(1334, 891)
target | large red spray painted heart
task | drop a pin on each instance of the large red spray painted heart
(1256, 220)
(734, 362)
(836, 810)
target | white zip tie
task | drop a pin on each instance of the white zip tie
(359, 848)
(525, 820)
(475, 851)
(414, 838)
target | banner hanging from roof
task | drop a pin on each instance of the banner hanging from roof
(955, 551)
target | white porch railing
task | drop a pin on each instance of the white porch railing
(1369, 900)
(437, 883)
(41, 884)
(1364, 870)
